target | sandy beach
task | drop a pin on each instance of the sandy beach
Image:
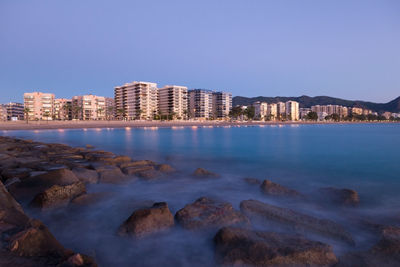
(35, 125)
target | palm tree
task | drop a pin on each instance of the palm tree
(66, 108)
(99, 112)
(47, 115)
(110, 110)
(76, 110)
(26, 112)
(121, 112)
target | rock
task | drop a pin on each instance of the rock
(295, 221)
(200, 172)
(165, 168)
(89, 146)
(28, 162)
(207, 213)
(148, 174)
(36, 241)
(122, 159)
(137, 163)
(274, 189)
(147, 221)
(252, 181)
(111, 174)
(54, 177)
(89, 199)
(57, 196)
(85, 175)
(241, 247)
(133, 170)
(337, 196)
(20, 173)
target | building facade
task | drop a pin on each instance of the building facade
(292, 110)
(3, 113)
(62, 109)
(89, 107)
(40, 106)
(200, 104)
(136, 100)
(222, 104)
(173, 101)
(15, 111)
(110, 108)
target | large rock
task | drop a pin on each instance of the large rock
(295, 221)
(111, 174)
(147, 221)
(85, 175)
(57, 196)
(54, 177)
(137, 163)
(241, 247)
(165, 168)
(339, 196)
(207, 213)
(274, 189)
(200, 172)
(133, 170)
(20, 173)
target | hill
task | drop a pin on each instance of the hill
(307, 101)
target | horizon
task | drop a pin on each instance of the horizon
(340, 49)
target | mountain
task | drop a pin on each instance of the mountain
(307, 101)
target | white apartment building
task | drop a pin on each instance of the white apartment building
(89, 107)
(331, 109)
(222, 104)
(173, 101)
(281, 108)
(292, 110)
(62, 109)
(110, 108)
(40, 105)
(200, 104)
(136, 100)
(260, 109)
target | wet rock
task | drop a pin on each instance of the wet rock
(165, 168)
(89, 199)
(122, 159)
(252, 181)
(28, 162)
(20, 173)
(54, 177)
(57, 196)
(274, 189)
(207, 213)
(137, 163)
(295, 221)
(111, 174)
(338, 196)
(200, 172)
(241, 247)
(133, 170)
(147, 221)
(85, 175)
(148, 174)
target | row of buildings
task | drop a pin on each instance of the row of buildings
(12, 111)
(277, 111)
(143, 100)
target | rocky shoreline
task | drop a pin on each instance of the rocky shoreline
(44, 177)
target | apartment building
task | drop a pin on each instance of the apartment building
(15, 111)
(260, 109)
(222, 104)
(331, 109)
(40, 105)
(110, 108)
(357, 111)
(200, 104)
(281, 107)
(136, 100)
(173, 101)
(3, 113)
(292, 110)
(62, 109)
(89, 107)
(272, 111)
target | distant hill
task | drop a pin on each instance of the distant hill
(307, 101)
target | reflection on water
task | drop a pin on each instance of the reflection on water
(306, 157)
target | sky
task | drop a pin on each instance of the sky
(342, 48)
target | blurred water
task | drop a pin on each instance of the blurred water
(364, 157)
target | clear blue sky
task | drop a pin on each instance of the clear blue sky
(342, 48)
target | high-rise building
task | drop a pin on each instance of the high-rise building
(260, 109)
(173, 101)
(136, 100)
(357, 111)
(292, 110)
(200, 104)
(330, 109)
(222, 104)
(272, 111)
(15, 111)
(89, 107)
(281, 107)
(62, 109)
(40, 105)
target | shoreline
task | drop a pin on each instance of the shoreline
(43, 125)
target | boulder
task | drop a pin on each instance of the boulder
(148, 174)
(20, 173)
(339, 196)
(242, 247)
(111, 174)
(133, 170)
(200, 172)
(137, 163)
(89, 199)
(85, 175)
(207, 213)
(54, 177)
(147, 221)
(274, 189)
(252, 181)
(294, 221)
(165, 168)
(57, 195)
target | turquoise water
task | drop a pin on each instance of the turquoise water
(364, 157)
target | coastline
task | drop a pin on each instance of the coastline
(44, 125)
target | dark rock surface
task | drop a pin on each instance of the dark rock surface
(274, 189)
(339, 196)
(207, 213)
(242, 247)
(296, 221)
(147, 221)
(200, 172)
(85, 175)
